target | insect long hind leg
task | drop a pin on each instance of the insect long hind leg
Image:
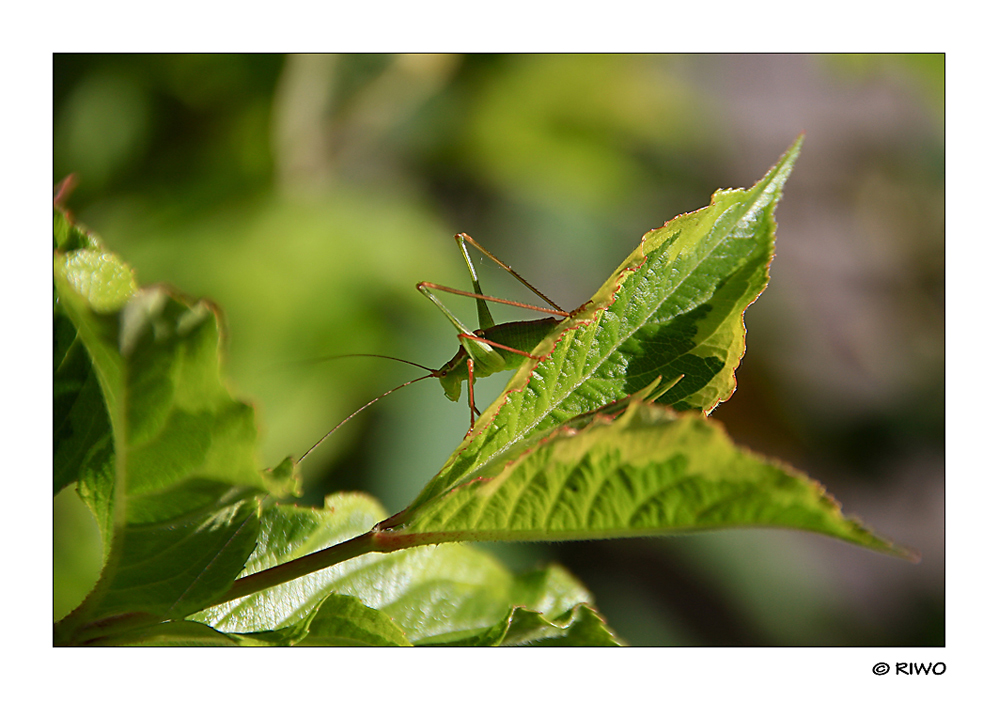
(462, 238)
(423, 287)
(485, 316)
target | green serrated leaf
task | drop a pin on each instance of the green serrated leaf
(673, 309)
(82, 439)
(175, 492)
(448, 594)
(69, 236)
(171, 569)
(344, 620)
(194, 634)
(650, 472)
(95, 273)
(81, 433)
(552, 608)
(176, 427)
(581, 626)
(338, 621)
(100, 277)
(175, 634)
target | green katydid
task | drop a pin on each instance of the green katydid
(487, 350)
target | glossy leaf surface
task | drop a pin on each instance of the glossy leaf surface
(448, 594)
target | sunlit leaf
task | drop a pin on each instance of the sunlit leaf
(673, 309)
(447, 594)
(649, 472)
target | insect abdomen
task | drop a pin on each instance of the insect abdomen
(522, 335)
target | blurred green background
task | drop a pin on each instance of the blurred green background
(307, 195)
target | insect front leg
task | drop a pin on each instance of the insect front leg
(473, 411)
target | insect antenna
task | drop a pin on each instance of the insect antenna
(313, 361)
(431, 373)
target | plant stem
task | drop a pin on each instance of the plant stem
(299, 567)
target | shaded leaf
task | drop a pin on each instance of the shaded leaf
(338, 621)
(82, 439)
(175, 493)
(344, 620)
(175, 634)
(580, 626)
(170, 569)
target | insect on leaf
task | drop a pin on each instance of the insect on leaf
(673, 309)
